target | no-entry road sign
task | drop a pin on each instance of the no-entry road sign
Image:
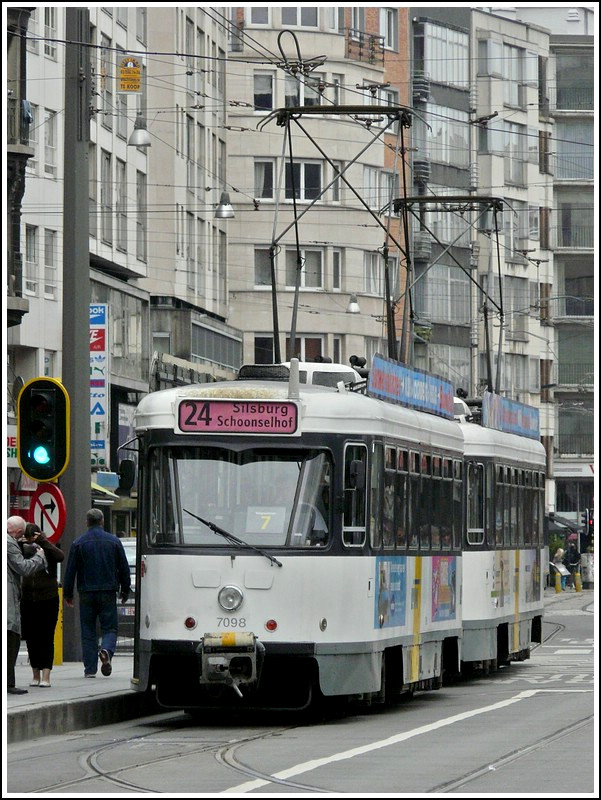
(48, 510)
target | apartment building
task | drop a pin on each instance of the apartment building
(299, 210)
(567, 94)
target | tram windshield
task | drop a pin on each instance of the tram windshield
(265, 497)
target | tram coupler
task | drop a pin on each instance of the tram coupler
(230, 659)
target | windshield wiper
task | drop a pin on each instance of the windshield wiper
(231, 538)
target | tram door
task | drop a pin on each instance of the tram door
(355, 495)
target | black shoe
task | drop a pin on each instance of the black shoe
(14, 690)
(106, 667)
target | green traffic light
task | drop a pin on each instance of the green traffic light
(41, 455)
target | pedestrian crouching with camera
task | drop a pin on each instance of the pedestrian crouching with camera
(39, 607)
(17, 566)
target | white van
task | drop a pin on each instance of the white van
(325, 374)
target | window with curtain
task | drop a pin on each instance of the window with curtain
(264, 187)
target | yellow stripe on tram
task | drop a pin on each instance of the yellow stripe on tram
(516, 603)
(417, 613)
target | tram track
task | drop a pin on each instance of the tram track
(90, 761)
(509, 758)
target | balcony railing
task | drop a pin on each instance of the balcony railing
(580, 98)
(17, 128)
(361, 46)
(575, 444)
(572, 307)
(575, 374)
(575, 237)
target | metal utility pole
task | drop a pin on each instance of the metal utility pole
(75, 483)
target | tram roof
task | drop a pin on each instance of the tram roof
(490, 443)
(323, 410)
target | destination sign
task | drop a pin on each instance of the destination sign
(203, 415)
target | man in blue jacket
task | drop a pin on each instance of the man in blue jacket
(99, 562)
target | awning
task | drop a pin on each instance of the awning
(104, 492)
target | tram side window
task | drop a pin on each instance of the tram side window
(457, 503)
(400, 500)
(375, 497)
(413, 499)
(446, 507)
(389, 500)
(355, 472)
(475, 503)
(528, 512)
(499, 504)
(436, 502)
(513, 509)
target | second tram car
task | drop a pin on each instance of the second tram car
(299, 541)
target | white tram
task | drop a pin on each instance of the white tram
(299, 541)
(503, 548)
(295, 540)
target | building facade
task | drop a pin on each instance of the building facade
(309, 212)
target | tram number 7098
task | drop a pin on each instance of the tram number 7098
(231, 622)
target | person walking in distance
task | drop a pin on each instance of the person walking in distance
(39, 608)
(98, 561)
(17, 565)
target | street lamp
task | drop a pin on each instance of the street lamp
(140, 137)
(353, 305)
(224, 210)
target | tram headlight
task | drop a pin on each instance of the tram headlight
(230, 598)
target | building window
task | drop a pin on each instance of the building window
(308, 348)
(357, 21)
(305, 16)
(122, 119)
(141, 221)
(336, 270)
(106, 82)
(447, 139)
(121, 209)
(311, 276)
(446, 55)
(575, 149)
(516, 221)
(93, 189)
(263, 350)
(514, 151)
(442, 294)
(141, 24)
(372, 265)
(50, 256)
(389, 27)
(32, 163)
(106, 197)
(262, 267)
(50, 33)
(264, 179)
(30, 276)
(303, 91)
(263, 91)
(259, 15)
(445, 224)
(50, 142)
(307, 180)
(574, 76)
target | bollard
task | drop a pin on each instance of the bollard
(577, 581)
(58, 632)
(557, 582)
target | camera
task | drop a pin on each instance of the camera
(28, 549)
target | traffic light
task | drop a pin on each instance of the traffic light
(43, 429)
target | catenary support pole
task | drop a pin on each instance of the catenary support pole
(75, 482)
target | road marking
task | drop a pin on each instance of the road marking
(308, 766)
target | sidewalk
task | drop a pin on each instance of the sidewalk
(74, 702)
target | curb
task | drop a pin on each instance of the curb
(60, 717)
